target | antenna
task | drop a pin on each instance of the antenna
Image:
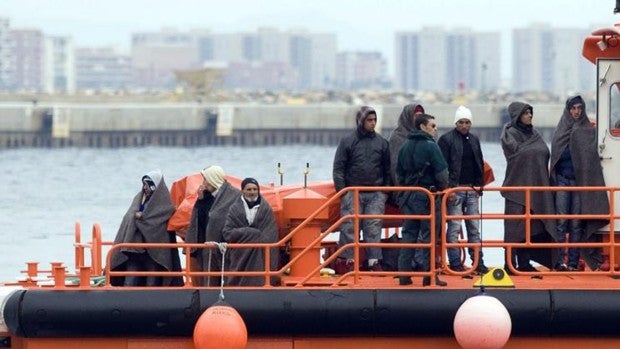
(306, 173)
(281, 173)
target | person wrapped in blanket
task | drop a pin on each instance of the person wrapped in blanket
(215, 195)
(250, 219)
(527, 165)
(145, 222)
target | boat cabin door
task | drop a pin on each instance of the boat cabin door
(608, 125)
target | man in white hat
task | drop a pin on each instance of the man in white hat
(462, 151)
(215, 195)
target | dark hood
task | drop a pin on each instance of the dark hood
(404, 120)
(515, 110)
(360, 118)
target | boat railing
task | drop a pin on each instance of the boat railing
(528, 216)
(297, 272)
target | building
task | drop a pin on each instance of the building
(6, 55)
(260, 76)
(269, 53)
(357, 70)
(155, 57)
(28, 63)
(433, 59)
(547, 59)
(102, 68)
(314, 57)
(59, 71)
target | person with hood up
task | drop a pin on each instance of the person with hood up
(575, 162)
(362, 159)
(145, 222)
(398, 137)
(527, 158)
(215, 195)
(250, 219)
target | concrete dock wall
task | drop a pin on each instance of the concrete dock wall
(123, 125)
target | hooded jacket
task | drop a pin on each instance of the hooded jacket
(362, 158)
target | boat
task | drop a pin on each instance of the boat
(76, 307)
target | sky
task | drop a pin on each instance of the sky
(367, 25)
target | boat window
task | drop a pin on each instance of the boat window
(614, 114)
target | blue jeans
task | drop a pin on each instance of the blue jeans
(414, 231)
(465, 203)
(568, 202)
(370, 203)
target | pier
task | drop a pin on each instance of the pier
(112, 125)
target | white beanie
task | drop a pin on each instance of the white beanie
(214, 175)
(462, 113)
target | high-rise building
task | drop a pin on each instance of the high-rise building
(314, 57)
(29, 53)
(6, 55)
(436, 60)
(59, 72)
(547, 59)
(270, 52)
(102, 68)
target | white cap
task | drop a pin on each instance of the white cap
(214, 175)
(462, 113)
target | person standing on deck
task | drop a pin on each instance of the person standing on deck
(362, 159)
(398, 137)
(250, 219)
(461, 149)
(421, 164)
(215, 195)
(575, 162)
(145, 222)
(527, 158)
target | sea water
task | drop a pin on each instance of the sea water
(45, 191)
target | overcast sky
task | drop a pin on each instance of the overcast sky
(358, 24)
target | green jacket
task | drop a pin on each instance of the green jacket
(421, 163)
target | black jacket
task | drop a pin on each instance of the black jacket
(362, 159)
(451, 145)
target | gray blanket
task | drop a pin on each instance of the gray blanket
(527, 158)
(262, 230)
(151, 228)
(226, 195)
(588, 172)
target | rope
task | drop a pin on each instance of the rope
(222, 246)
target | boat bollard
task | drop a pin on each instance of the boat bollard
(59, 276)
(84, 276)
(33, 269)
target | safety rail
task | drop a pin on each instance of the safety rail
(528, 217)
(310, 279)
